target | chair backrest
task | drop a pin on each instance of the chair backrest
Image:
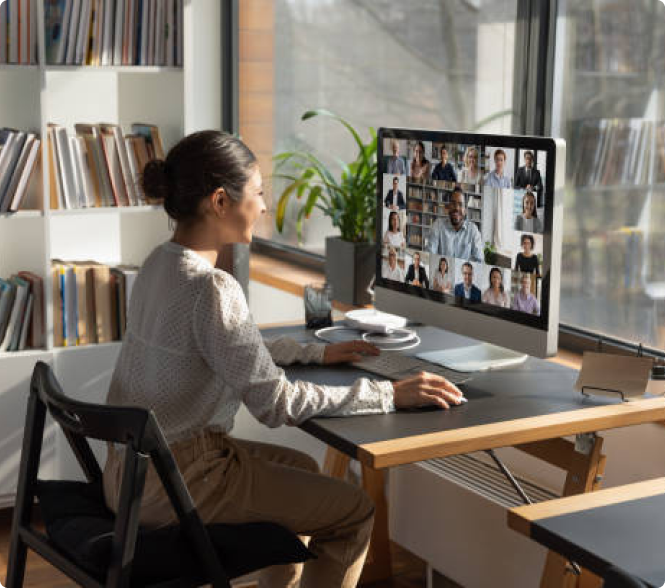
(136, 429)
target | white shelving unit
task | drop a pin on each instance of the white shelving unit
(179, 101)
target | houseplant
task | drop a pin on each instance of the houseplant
(349, 201)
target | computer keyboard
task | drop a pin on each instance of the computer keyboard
(396, 366)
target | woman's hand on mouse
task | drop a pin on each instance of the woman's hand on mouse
(348, 351)
(426, 389)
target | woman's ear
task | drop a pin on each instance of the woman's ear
(219, 202)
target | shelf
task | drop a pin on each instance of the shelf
(22, 214)
(610, 74)
(107, 210)
(24, 353)
(145, 69)
(17, 67)
(109, 345)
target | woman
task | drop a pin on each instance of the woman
(420, 166)
(527, 261)
(528, 220)
(416, 274)
(394, 235)
(193, 355)
(470, 173)
(441, 281)
(391, 270)
(524, 301)
(496, 294)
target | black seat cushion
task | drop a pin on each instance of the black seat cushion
(79, 524)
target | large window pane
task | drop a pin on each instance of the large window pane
(609, 105)
(440, 64)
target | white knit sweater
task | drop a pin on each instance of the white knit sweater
(193, 354)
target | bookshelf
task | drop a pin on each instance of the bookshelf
(179, 100)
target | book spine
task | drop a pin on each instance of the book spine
(117, 36)
(72, 31)
(13, 32)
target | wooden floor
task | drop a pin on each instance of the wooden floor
(409, 570)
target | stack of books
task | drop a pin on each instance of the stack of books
(99, 166)
(18, 32)
(114, 32)
(90, 301)
(19, 156)
(21, 312)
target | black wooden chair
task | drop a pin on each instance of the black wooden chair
(97, 548)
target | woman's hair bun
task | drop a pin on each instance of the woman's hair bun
(156, 182)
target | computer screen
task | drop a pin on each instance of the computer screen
(467, 222)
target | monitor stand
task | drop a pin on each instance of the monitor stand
(474, 358)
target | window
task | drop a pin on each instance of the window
(425, 64)
(609, 105)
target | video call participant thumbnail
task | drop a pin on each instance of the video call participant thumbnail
(416, 274)
(527, 261)
(497, 178)
(524, 301)
(420, 165)
(441, 281)
(455, 236)
(467, 289)
(471, 172)
(393, 235)
(528, 220)
(444, 170)
(528, 176)
(496, 294)
(395, 199)
(391, 270)
(396, 164)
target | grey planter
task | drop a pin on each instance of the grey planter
(350, 268)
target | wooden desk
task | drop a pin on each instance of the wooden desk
(622, 526)
(529, 407)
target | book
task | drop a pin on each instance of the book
(57, 304)
(117, 35)
(107, 32)
(13, 28)
(102, 298)
(72, 31)
(94, 51)
(25, 324)
(83, 33)
(18, 308)
(134, 171)
(7, 294)
(112, 159)
(169, 34)
(160, 22)
(152, 138)
(24, 32)
(151, 32)
(9, 157)
(143, 34)
(69, 305)
(121, 149)
(8, 197)
(70, 196)
(97, 159)
(36, 338)
(27, 174)
(4, 6)
(55, 183)
(178, 33)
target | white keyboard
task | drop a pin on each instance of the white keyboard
(396, 366)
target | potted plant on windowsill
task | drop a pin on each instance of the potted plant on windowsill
(350, 203)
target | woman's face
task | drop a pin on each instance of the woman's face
(529, 205)
(241, 216)
(472, 159)
(526, 245)
(392, 260)
(418, 153)
(394, 223)
(443, 266)
(496, 280)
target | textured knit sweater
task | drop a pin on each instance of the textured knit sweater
(193, 354)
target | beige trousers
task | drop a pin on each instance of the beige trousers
(236, 481)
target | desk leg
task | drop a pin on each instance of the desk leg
(584, 474)
(378, 565)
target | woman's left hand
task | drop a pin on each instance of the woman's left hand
(348, 352)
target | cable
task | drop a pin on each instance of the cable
(384, 345)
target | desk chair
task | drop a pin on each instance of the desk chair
(616, 578)
(97, 548)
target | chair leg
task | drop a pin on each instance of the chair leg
(18, 552)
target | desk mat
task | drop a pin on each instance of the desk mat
(629, 535)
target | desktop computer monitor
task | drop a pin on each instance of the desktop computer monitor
(468, 234)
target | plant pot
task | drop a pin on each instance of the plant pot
(350, 268)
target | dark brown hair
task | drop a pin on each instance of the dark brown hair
(194, 168)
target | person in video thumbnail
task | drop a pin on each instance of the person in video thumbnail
(471, 172)
(496, 293)
(528, 176)
(396, 164)
(528, 220)
(455, 236)
(420, 166)
(497, 178)
(467, 289)
(528, 260)
(444, 170)
(394, 235)
(391, 270)
(524, 301)
(416, 274)
(395, 199)
(441, 282)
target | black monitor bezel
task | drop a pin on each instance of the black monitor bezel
(522, 142)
